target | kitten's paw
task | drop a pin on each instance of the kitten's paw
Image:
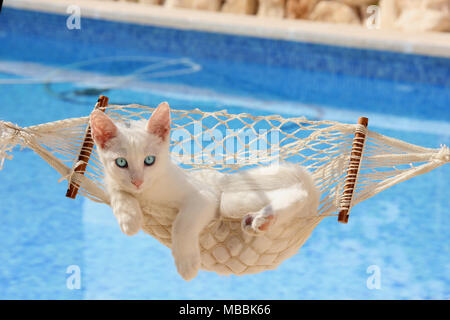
(188, 265)
(258, 222)
(130, 225)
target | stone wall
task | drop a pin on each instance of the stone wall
(405, 15)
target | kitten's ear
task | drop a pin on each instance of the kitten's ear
(159, 122)
(103, 129)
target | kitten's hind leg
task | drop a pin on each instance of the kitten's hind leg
(282, 205)
(258, 222)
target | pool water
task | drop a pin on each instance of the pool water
(48, 72)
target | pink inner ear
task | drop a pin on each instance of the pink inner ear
(103, 129)
(159, 122)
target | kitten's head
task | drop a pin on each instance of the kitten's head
(133, 156)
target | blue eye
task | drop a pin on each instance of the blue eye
(121, 163)
(149, 160)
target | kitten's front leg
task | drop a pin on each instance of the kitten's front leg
(193, 217)
(128, 212)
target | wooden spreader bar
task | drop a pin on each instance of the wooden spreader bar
(86, 150)
(352, 171)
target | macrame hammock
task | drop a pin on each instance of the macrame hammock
(349, 164)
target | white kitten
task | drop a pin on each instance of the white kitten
(138, 170)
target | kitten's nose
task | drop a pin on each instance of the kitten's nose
(137, 182)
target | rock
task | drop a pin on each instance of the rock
(271, 8)
(420, 20)
(178, 3)
(299, 9)
(407, 4)
(415, 15)
(210, 5)
(357, 3)
(334, 12)
(240, 6)
(151, 1)
(441, 5)
(422, 4)
(389, 13)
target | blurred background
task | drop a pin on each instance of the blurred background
(338, 60)
(407, 15)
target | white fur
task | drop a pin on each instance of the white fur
(272, 194)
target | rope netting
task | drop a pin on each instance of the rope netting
(230, 142)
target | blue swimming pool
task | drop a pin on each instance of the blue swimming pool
(48, 72)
